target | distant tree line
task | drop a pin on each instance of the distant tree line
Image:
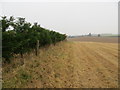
(24, 36)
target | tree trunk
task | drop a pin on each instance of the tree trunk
(37, 47)
(22, 60)
(21, 54)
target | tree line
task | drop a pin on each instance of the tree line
(24, 36)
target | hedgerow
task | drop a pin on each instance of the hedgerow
(23, 37)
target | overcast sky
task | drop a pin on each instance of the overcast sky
(71, 18)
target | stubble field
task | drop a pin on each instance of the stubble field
(68, 64)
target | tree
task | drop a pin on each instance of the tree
(8, 44)
(25, 37)
(5, 23)
(89, 34)
(98, 35)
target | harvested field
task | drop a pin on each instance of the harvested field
(95, 39)
(97, 64)
(68, 65)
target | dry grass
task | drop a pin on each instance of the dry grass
(65, 65)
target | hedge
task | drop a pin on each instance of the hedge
(24, 36)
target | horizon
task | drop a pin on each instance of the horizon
(94, 34)
(70, 18)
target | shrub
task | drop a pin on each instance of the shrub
(23, 37)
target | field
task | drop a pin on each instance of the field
(96, 39)
(68, 64)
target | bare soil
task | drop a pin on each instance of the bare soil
(95, 39)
